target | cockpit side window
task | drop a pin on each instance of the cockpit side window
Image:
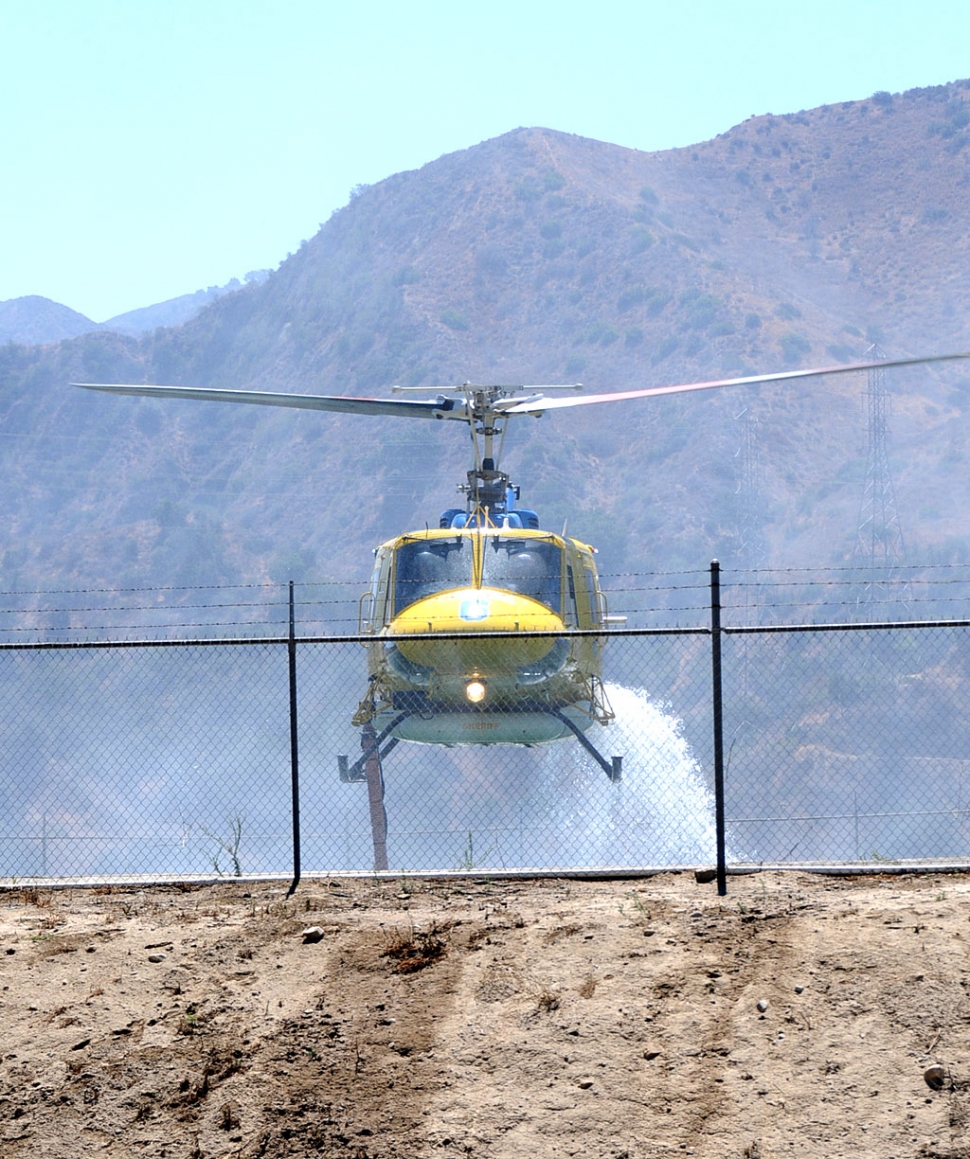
(572, 609)
(531, 567)
(425, 567)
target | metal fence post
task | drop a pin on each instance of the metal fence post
(718, 725)
(294, 749)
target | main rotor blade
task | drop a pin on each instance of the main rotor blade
(441, 408)
(537, 407)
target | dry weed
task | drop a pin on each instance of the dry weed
(414, 951)
(548, 1001)
(587, 988)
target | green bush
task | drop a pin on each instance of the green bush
(527, 191)
(840, 353)
(551, 229)
(642, 238)
(634, 336)
(552, 180)
(786, 311)
(631, 297)
(700, 308)
(406, 276)
(455, 320)
(665, 349)
(794, 347)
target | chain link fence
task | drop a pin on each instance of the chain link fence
(174, 758)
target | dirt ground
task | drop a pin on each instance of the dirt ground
(480, 1018)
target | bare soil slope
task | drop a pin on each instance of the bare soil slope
(478, 1018)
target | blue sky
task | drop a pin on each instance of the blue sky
(153, 148)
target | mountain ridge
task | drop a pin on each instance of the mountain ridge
(538, 255)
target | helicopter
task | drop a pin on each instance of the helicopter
(487, 629)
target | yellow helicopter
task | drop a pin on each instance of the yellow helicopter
(486, 629)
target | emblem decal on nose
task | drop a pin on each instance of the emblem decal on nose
(473, 609)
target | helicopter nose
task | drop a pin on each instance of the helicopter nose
(475, 612)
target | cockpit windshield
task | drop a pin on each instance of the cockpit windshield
(531, 567)
(426, 566)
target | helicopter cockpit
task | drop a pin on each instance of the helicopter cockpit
(530, 567)
(425, 567)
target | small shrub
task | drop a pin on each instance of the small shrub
(633, 296)
(414, 951)
(882, 98)
(455, 320)
(647, 195)
(527, 191)
(840, 353)
(406, 276)
(491, 261)
(794, 347)
(634, 336)
(753, 322)
(551, 229)
(552, 180)
(656, 301)
(665, 349)
(642, 238)
(786, 311)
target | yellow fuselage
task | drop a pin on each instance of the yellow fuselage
(474, 637)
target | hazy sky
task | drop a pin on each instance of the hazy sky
(153, 147)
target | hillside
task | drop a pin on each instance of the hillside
(33, 319)
(536, 256)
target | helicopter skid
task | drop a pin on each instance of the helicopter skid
(485, 728)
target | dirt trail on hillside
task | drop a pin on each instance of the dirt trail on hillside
(501, 1019)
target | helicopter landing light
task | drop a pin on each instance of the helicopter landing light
(475, 690)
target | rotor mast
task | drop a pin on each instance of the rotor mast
(487, 488)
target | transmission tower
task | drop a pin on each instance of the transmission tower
(879, 543)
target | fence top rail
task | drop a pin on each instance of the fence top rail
(370, 638)
(870, 626)
(356, 638)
